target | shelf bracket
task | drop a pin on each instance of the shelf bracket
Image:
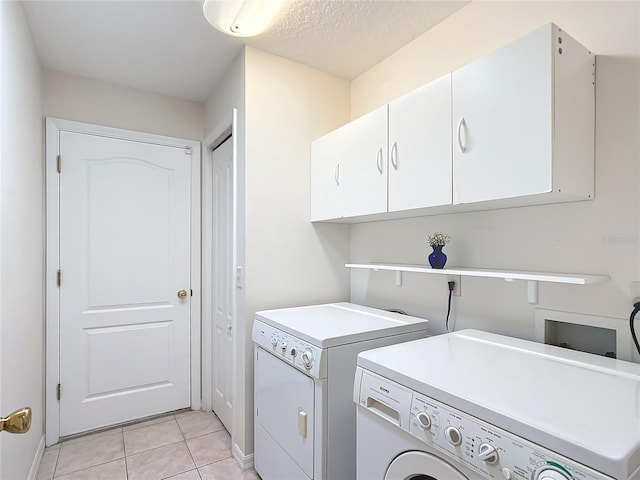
(398, 278)
(532, 292)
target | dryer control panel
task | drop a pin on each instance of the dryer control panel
(488, 450)
(302, 355)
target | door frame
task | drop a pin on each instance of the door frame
(52, 201)
(215, 138)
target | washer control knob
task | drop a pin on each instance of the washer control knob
(507, 474)
(307, 358)
(293, 351)
(488, 453)
(283, 347)
(549, 472)
(424, 420)
(274, 340)
(453, 435)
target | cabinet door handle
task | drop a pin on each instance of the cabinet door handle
(394, 155)
(379, 159)
(461, 124)
(336, 174)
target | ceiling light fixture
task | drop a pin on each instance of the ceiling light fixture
(241, 18)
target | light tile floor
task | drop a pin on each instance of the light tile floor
(184, 446)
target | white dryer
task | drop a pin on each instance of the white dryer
(305, 361)
(475, 405)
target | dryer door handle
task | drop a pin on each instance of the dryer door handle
(302, 422)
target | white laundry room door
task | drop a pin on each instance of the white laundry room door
(223, 282)
(124, 290)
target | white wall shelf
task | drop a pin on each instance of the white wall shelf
(532, 278)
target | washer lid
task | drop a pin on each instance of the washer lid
(340, 323)
(580, 405)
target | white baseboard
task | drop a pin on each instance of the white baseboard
(33, 471)
(245, 461)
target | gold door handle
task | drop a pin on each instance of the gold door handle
(17, 422)
(182, 294)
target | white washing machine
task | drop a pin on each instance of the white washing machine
(475, 405)
(305, 361)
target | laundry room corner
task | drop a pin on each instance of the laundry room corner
(598, 236)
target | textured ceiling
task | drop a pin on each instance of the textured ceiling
(168, 47)
(347, 37)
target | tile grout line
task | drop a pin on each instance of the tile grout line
(174, 443)
(126, 464)
(90, 466)
(55, 465)
(126, 455)
(184, 439)
(154, 448)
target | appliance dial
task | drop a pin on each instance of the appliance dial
(293, 351)
(424, 420)
(507, 474)
(283, 347)
(453, 435)
(488, 453)
(274, 340)
(549, 472)
(307, 358)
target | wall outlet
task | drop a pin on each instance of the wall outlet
(457, 288)
(635, 290)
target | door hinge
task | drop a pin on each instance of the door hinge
(59, 164)
(58, 390)
(58, 277)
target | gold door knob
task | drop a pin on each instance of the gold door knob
(182, 294)
(17, 422)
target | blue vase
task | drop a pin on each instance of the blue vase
(437, 258)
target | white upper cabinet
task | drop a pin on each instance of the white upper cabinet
(365, 164)
(326, 175)
(513, 128)
(420, 147)
(523, 122)
(349, 169)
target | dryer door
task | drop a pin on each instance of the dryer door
(416, 465)
(284, 404)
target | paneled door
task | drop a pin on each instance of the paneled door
(124, 295)
(223, 282)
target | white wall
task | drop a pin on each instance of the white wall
(21, 240)
(91, 101)
(289, 261)
(599, 236)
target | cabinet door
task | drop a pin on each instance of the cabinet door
(326, 156)
(503, 120)
(365, 164)
(420, 147)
